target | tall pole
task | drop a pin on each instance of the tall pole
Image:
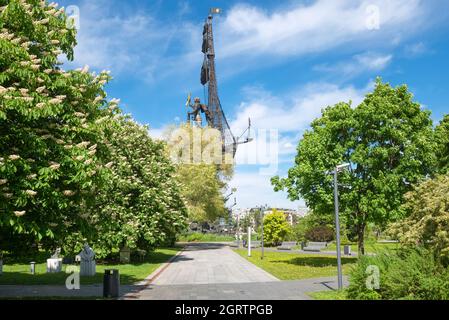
(238, 230)
(337, 230)
(249, 242)
(262, 212)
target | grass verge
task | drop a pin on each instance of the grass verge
(289, 266)
(19, 274)
(328, 295)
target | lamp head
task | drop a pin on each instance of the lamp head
(342, 166)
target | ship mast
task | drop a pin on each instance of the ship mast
(215, 115)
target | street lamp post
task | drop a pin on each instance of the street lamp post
(337, 223)
(262, 212)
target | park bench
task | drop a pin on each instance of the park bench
(287, 245)
(315, 246)
(254, 244)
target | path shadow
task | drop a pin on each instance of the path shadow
(315, 261)
(204, 246)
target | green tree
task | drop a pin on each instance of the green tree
(72, 168)
(201, 188)
(310, 221)
(202, 182)
(141, 205)
(276, 228)
(428, 222)
(48, 135)
(442, 139)
(388, 141)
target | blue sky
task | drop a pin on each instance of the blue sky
(278, 62)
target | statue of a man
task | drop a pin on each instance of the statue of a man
(197, 107)
(87, 265)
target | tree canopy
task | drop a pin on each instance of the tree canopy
(202, 181)
(387, 139)
(72, 168)
(442, 139)
(428, 222)
(276, 228)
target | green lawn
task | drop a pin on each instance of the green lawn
(328, 295)
(289, 266)
(205, 237)
(19, 274)
(369, 247)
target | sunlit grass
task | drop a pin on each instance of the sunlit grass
(19, 274)
(328, 295)
(289, 266)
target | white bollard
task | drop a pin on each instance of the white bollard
(249, 241)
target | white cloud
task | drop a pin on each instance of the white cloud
(290, 115)
(366, 62)
(294, 112)
(316, 27)
(132, 43)
(416, 49)
(254, 190)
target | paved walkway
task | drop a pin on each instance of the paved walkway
(274, 290)
(205, 263)
(216, 272)
(200, 271)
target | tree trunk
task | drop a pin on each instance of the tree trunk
(361, 238)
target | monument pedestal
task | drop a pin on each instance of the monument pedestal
(87, 268)
(54, 265)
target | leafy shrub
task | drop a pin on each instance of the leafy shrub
(408, 273)
(320, 233)
(428, 220)
(276, 228)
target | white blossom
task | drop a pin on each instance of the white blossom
(40, 89)
(109, 164)
(68, 193)
(31, 192)
(3, 181)
(43, 21)
(55, 101)
(83, 144)
(85, 69)
(14, 157)
(55, 166)
(19, 213)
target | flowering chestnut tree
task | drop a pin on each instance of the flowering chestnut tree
(141, 205)
(57, 143)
